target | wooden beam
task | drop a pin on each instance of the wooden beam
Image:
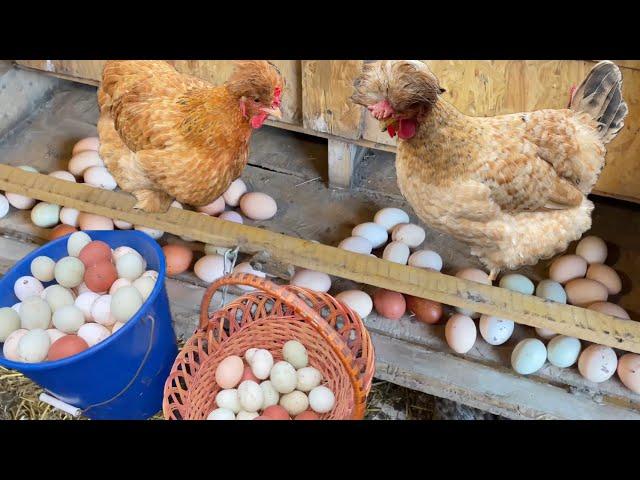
(526, 309)
(343, 159)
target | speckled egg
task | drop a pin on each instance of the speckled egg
(529, 356)
(629, 371)
(494, 330)
(597, 363)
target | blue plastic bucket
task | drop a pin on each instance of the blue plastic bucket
(123, 376)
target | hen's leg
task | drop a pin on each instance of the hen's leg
(152, 201)
(493, 274)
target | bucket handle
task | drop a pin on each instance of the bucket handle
(133, 379)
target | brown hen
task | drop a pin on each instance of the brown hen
(513, 187)
(165, 135)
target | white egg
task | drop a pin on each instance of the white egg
(528, 356)
(359, 301)
(9, 322)
(76, 242)
(294, 403)
(229, 399)
(119, 283)
(270, 395)
(389, 217)
(69, 216)
(261, 363)
(545, 333)
(99, 177)
(396, 252)
(16, 306)
(373, 232)
(34, 346)
(125, 303)
(20, 201)
(242, 415)
(81, 161)
(563, 351)
(250, 396)
(101, 311)
(54, 334)
(63, 175)
(145, 286)
(89, 143)
(321, 399)
(84, 302)
(426, 259)
(211, 267)
(27, 286)
(93, 333)
(248, 355)
(68, 319)
(308, 379)
(69, 272)
(116, 326)
(283, 377)
(408, 233)
(35, 313)
(150, 273)
(10, 346)
(294, 352)
(122, 225)
(42, 268)
(153, 233)
(58, 296)
(356, 245)
(318, 281)
(4, 206)
(235, 191)
(245, 267)
(494, 330)
(130, 266)
(221, 414)
(597, 363)
(234, 217)
(45, 215)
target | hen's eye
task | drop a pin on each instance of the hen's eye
(257, 100)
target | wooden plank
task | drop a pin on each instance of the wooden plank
(214, 71)
(529, 310)
(326, 88)
(343, 159)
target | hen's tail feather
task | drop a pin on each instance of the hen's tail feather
(600, 95)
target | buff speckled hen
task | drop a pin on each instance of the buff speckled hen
(165, 135)
(513, 187)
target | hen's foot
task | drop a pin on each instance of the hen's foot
(493, 274)
(152, 201)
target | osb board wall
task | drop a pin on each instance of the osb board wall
(485, 88)
(215, 71)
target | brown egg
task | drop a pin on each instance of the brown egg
(60, 231)
(65, 347)
(248, 375)
(609, 308)
(178, 258)
(89, 221)
(391, 305)
(583, 292)
(275, 412)
(475, 275)
(100, 277)
(426, 311)
(629, 371)
(307, 415)
(262, 417)
(95, 252)
(605, 275)
(567, 268)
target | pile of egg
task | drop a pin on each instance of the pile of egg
(92, 293)
(264, 390)
(87, 167)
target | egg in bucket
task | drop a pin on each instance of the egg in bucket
(121, 377)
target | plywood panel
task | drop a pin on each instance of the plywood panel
(327, 86)
(215, 71)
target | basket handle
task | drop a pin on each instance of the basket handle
(303, 310)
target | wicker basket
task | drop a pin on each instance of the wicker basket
(336, 340)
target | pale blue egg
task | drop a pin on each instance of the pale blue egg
(528, 356)
(551, 291)
(517, 283)
(563, 351)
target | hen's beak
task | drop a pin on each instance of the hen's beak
(273, 112)
(384, 124)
